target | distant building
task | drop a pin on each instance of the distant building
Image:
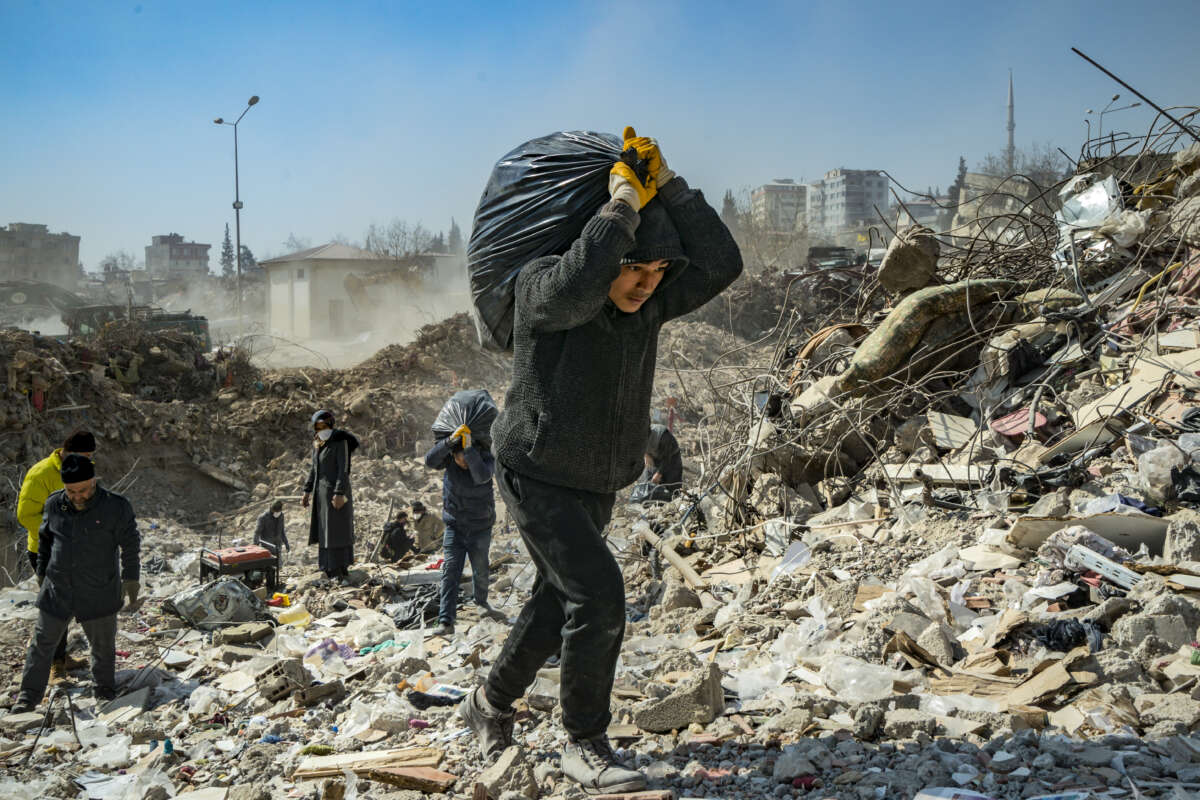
(336, 291)
(930, 213)
(170, 256)
(30, 252)
(780, 205)
(844, 198)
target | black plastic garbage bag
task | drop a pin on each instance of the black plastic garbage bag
(538, 198)
(474, 408)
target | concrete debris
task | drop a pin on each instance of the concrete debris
(510, 773)
(695, 695)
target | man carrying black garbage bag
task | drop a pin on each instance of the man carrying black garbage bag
(573, 432)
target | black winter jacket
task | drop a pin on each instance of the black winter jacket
(84, 555)
(468, 504)
(577, 412)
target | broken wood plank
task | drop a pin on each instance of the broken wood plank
(423, 779)
(643, 532)
(362, 763)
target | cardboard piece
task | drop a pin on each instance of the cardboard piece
(1047, 682)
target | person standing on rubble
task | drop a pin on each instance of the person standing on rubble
(42, 480)
(663, 476)
(270, 531)
(469, 511)
(328, 490)
(428, 528)
(89, 566)
(573, 431)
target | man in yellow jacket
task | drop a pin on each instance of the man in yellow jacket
(42, 480)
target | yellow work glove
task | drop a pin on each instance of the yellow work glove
(649, 151)
(624, 182)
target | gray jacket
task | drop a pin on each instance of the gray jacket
(271, 530)
(84, 555)
(577, 409)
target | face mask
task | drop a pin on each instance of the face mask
(276, 514)
(419, 515)
(324, 435)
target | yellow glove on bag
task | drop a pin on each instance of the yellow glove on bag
(649, 151)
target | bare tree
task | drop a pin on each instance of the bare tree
(763, 247)
(1041, 163)
(397, 239)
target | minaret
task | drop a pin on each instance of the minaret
(1010, 153)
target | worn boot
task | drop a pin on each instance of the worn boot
(23, 706)
(593, 765)
(443, 629)
(493, 727)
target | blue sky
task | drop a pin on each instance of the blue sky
(378, 110)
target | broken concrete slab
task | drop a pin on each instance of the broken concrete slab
(1156, 708)
(510, 773)
(246, 632)
(697, 696)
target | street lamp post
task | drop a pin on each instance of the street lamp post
(237, 204)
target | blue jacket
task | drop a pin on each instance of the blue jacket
(467, 501)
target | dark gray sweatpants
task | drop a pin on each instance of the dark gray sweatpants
(101, 634)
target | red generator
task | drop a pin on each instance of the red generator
(252, 564)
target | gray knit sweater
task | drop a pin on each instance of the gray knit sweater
(577, 412)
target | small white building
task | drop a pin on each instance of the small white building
(306, 291)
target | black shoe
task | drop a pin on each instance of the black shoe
(494, 729)
(443, 629)
(104, 694)
(22, 706)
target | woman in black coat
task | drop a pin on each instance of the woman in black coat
(332, 527)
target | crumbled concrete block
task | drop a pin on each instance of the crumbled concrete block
(1131, 630)
(1155, 708)
(905, 723)
(246, 632)
(794, 720)
(938, 640)
(1183, 537)
(510, 773)
(679, 596)
(867, 719)
(697, 696)
(911, 260)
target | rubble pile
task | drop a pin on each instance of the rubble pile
(943, 547)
